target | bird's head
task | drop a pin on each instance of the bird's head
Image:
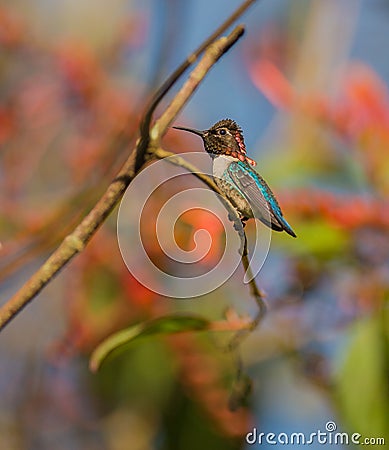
(223, 138)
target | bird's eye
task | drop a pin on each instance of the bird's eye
(222, 132)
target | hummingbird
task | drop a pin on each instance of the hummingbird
(233, 173)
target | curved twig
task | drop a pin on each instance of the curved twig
(145, 124)
(255, 291)
(76, 241)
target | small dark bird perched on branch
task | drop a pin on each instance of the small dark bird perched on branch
(234, 175)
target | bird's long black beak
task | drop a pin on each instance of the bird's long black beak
(191, 130)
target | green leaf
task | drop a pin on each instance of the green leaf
(363, 385)
(316, 237)
(162, 325)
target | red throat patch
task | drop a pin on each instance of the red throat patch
(240, 141)
(242, 147)
(242, 157)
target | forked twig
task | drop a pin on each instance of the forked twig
(255, 291)
(76, 241)
(167, 85)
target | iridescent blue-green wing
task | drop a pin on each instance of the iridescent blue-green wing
(259, 196)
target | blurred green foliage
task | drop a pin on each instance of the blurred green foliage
(70, 107)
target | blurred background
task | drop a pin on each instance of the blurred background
(309, 86)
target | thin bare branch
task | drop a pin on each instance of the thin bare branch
(258, 295)
(145, 124)
(259, 298)
(76, 241)
(212, 55)
(176, 160)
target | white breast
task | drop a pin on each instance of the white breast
(220, 164)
